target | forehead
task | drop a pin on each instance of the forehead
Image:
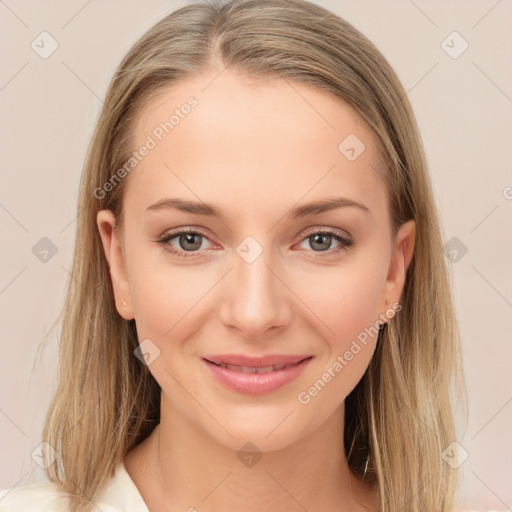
(264, 144)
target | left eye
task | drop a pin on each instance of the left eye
(321, 241)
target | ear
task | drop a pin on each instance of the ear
(112, 247)
(400, 261)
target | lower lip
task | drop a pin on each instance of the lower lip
(257, 383)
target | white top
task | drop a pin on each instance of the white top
(120, 495)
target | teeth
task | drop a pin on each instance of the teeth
(249, 369)
(266, 369)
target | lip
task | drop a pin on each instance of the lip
(256, 383)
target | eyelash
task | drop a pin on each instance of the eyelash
(345, 243)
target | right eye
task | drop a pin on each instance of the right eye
(188, 241)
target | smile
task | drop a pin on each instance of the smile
(252, 369)
(257, 379)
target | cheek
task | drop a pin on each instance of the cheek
(172, 300)
(170, 304)
(346, 306)
(345, 301)
(166, 298)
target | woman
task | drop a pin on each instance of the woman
(260, 315)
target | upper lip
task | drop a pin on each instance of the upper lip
(257, 362)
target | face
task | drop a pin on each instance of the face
(257, 274)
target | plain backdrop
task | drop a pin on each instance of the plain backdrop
(461, 97)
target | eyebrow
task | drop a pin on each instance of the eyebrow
(314, 208)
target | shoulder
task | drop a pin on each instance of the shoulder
(120, 495)
(40, 496)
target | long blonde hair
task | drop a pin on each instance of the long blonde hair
(399, 418)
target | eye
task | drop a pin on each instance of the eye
(321, 241)
(187, 240)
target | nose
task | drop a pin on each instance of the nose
(255, 299)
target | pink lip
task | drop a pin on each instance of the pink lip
(257, 383)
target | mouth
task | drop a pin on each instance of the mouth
(256, 375)
(253, 369)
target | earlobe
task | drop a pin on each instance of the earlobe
(106, 222)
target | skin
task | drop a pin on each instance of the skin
(254, 150)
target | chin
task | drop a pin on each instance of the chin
(249, 438)
(266, 430)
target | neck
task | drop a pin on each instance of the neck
(184, 469)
